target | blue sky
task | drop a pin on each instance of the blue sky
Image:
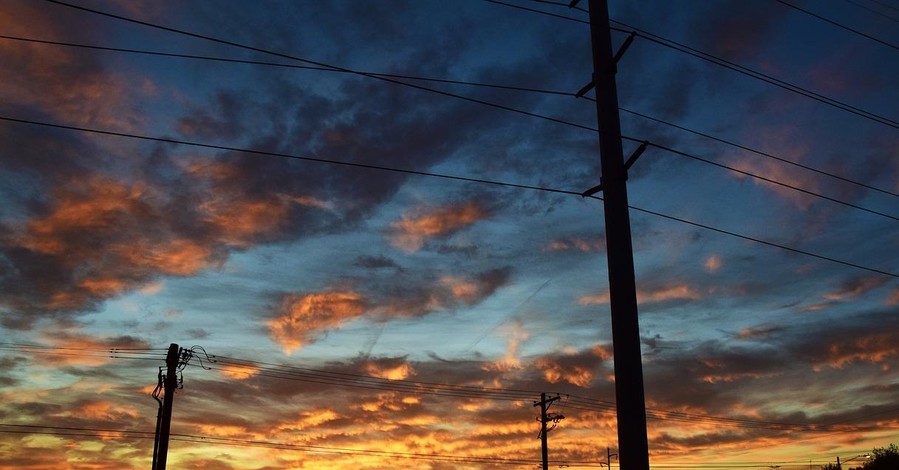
(766, 256)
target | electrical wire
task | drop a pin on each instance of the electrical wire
(770, 180)
(478, 101)
(436, 175)
(302, 374)
(759, 76)
(290, 66)
(872, 10)
(228, 364)
(107, 434)
(534, 10)
(839, 25)
(329, 66)
(759, 152)
(476, 84)
(624, 27)
(99, 353)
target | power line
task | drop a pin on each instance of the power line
(324, 65)
(466, 83)
(534, 10)
(436, 175)
(759, 152)
(119, 434)
(760, 76)
(746, 71)
(771, 181)
(872, 10)
(107, 433)
(303, 374)
(885, 4)
(839, 25)
(319, 64)
(291, 66)
(354, 380)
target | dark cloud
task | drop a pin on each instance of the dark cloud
(376, 262)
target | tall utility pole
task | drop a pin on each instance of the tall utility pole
(633, 450)
(160, 453)
(545, 418)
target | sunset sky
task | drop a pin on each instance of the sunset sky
(390, 259)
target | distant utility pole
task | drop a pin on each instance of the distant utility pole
(545, 418)
(163, 426)
(633, 449)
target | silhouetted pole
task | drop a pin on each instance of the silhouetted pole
(633, 450)
(544, 418)
(165, 424)
(544, 445)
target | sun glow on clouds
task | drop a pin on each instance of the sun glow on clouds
(517, 334)
(301, 317)
(412, 231)
(400, 371)
(238, 372)
(579, 244)
(785, 140)
(713, 263)
(676, 292)
(874, 348)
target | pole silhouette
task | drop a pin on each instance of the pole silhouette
(160, 453)
(633, 449)
(545, 418)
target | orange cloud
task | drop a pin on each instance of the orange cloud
(579, 244)
(712, 263)
(238, 371)
(85, 350)
(95, 232)
(893, 299)
(64, 83)
(240, 221)
(400, 371)
(874, 348)
(555, 373)
(95, 204)
(517, 334)
(856, 288)
(105, 410)
(676, 292)
(788, 147)
(237, 218)
(301, 318)
(412, 231)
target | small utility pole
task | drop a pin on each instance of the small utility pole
(545, 418)
(165, 419)
(633, 450)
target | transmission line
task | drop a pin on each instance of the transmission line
(534, 10)
(839, 25)
(333, 67)
(769, 180)
(476, 84)
(760, 76)
(758, 152)
(872, 10)
(671, 44)
(303, 374)
(324, 65)
(422, 173)
(107, 433)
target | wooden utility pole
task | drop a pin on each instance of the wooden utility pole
(633, 450)
(545, 418)
(163, 427)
